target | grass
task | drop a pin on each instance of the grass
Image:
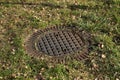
(100, 18)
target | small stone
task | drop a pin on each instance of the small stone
(95, 65)
(42, 69)
(38, 77)
(25, 75)
(92, 60)
(13, 52)
(96, 79)
(1, 77)
(40, 73)
(96, 53)
(26, 67)
(101, 45)
(14, 75)
(117, 79)
(42, 58)
(103, 56)
(73, 17)
(51, 77)
(18, 74)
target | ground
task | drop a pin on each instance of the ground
(19, 18)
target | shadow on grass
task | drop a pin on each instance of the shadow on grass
(116, 39)
(73, 7)
(84, 7)
(19, 3)
(107, 4)
(51, 5)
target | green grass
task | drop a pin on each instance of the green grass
(99, 17)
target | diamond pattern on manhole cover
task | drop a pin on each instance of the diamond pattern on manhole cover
(59, 43)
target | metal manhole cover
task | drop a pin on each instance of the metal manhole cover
(59, 43)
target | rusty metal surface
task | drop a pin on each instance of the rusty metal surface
(59, 43)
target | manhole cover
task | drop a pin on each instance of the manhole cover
(59, 43)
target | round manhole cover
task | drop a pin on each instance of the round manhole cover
(59, 43)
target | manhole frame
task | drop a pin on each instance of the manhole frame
(79, 55)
